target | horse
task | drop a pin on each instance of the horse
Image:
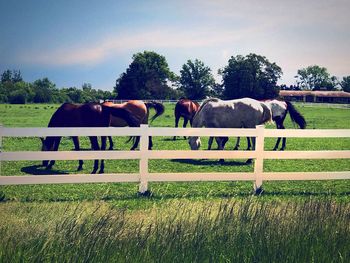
(187, 109)
(140, 110)
(83, 115)
(239, 113)
(279, 110)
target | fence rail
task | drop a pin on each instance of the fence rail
(144, 176)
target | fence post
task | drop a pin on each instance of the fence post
(259, 161)
(143, 188)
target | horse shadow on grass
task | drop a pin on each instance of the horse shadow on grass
(40, 170)
(210, 162)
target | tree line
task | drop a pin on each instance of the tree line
(149, 77)
(14, 90)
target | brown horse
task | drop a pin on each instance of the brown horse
(187, 109)
(84, 115)
(140, 111)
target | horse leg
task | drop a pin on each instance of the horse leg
(279, 125)
(150, 143)
(249, 161)
(94, 146)
(224, 140)
(136, 143)
(185, 124)
(77, 148)
(221, 145)
(103, 148)
(177, 118)
(237, 143)
(111, 144)
(57, 141)
(284, 139)
(249, 144)
(210, 142)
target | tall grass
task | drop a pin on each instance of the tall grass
(247, 230)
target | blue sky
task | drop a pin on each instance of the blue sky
(75, 42)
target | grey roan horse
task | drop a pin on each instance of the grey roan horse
(279, 110)
(240, 113)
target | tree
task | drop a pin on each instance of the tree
(250, 76)
(196, 80)
(345, 84)
(6, 76)
(146, 78)
(315, 78)
(43, 89)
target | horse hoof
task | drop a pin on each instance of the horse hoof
(221, 161)
(101, 171)
(249, 161)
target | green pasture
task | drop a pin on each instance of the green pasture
(293, 221)
(39, 115)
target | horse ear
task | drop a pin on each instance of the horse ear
(42, 139)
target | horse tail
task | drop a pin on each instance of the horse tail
(124, 114)
(295, 115)
(157, 106)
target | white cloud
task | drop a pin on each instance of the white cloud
(170, 38)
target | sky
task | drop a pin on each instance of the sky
(82, 41)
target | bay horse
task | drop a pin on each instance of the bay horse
(187, 109)
(279, 110)
(140, 111)
(239, 113)
(83, 115)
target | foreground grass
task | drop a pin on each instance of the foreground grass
(233, 230)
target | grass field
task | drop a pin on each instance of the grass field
(192, 222)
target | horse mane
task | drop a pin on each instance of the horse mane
(202, 106)
(295, 115)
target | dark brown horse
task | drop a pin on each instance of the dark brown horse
(84, 115)
(187, 109)
(140, 111)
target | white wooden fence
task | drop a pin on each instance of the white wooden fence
(144, 176)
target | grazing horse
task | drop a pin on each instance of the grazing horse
(140, 111)
(240, 113)
(187, 109)
(83, 115)
(279, 111)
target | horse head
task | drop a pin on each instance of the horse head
(194, 142)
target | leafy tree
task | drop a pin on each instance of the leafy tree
(146, 78)
(43, 89)
(315, 78)
(18, 97)
(6, 76)
(17, 77)
(345, 84)
(250, 76)
(196, 80)
(217, 91)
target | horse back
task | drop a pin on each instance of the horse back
(186, 108)
(137, 108)
(79, 115)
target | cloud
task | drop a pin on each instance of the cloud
(110, 46)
